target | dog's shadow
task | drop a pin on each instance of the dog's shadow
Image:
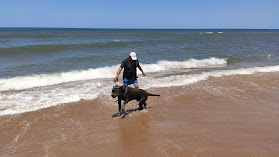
(127, 112)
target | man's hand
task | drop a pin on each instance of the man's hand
(143, 73)
(141, 70)
(115, 79)
(117, 74)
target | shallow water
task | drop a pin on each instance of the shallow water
(224, 116)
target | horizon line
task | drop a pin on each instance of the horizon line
(147, 28)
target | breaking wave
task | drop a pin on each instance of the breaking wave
(33, 99)
(31, 81)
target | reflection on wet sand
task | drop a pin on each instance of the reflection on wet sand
(226, 116)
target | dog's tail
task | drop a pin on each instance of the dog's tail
(149, 94)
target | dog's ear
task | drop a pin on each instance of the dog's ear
(116, 87)
(124, 87)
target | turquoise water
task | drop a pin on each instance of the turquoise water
(42, 67)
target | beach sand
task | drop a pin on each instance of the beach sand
(225, 116)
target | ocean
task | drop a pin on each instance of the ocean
(42, 67)
(219, 92)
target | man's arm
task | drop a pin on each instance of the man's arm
(141, 70)
(117, 74)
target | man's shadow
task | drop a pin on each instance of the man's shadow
(127, 112)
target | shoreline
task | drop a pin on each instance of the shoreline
(225, 116)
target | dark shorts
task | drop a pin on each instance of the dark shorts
(128, 82)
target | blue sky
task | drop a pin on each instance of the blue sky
(195, 14)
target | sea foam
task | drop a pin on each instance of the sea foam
(53, 89)
(26, 82)
(180, 80)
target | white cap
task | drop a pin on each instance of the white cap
(133, 55)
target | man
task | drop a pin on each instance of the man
(130, 65)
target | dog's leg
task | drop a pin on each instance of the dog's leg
(142, 102)
(145, 105)
(119, 104)
(140, 105)
(123, 107)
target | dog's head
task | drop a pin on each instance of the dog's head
(118, 90)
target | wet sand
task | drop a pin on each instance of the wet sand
(227, 116)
